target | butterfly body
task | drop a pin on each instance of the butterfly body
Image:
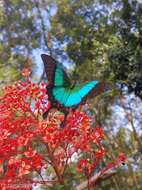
(63, 94)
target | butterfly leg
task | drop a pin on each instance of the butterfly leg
(63, 124)
(46, 113)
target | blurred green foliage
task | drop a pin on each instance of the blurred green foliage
(20, 33)
(104, 37)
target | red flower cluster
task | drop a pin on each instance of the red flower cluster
(29, 143)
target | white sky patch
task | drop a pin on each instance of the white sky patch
(122, 115)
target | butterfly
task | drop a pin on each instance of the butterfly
(62, 93)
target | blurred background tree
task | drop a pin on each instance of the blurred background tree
(97, 39)
(21, 31)
(104, 37)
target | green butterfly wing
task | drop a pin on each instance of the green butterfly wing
(61, 89)
(61, 79)
(70, 97)
(55, 73)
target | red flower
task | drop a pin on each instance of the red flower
(23, 131)
(122, 157)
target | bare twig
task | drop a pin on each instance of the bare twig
(97, 178)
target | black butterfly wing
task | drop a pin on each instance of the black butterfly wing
(55, 72)
(100, 88)
(50, 66)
